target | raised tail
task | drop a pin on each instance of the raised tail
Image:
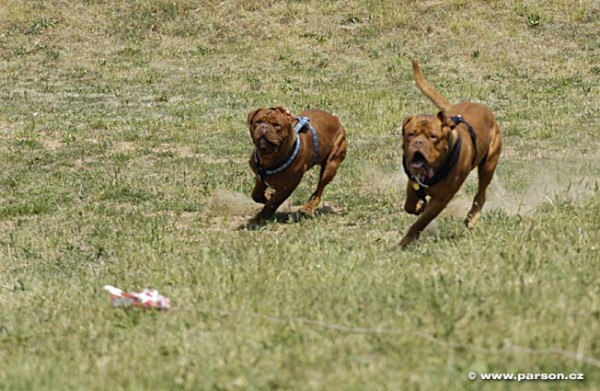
(428, 90)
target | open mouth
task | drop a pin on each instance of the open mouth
(418, 161)
(420, 167)
(264, 146)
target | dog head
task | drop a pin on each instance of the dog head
(270, 129)
(426, 142)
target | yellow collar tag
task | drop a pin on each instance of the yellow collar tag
(416, 186)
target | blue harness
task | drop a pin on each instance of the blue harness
(302, 122)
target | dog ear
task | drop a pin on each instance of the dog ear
(446, 121)
(251, 116)
(283, 110)
(405, 122)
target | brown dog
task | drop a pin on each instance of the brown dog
(285, 147)
(439, 153)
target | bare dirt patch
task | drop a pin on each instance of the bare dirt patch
(52, 145)
(183, 151)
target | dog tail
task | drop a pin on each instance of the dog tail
(428, 90)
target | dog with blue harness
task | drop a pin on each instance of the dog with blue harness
(439, 153)
(285, 147)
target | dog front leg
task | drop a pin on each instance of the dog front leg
(271, 205)
(258, 194)
(413, 204)
(432, 210)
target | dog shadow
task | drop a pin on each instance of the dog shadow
(293, 217)
(288, 217)
(452, 232)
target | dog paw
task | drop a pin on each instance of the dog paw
(471, 220)
(308, 210)
(259, 198)
(407, 241)
(253, 225)
(415, 209)
(421, 205)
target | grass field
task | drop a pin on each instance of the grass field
(123, 161)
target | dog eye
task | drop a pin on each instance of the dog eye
(433, 136)
(277, 126)
(410, 134)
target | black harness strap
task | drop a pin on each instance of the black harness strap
(459, 119)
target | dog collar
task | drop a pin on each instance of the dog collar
(302, 122)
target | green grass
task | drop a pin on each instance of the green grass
(123, 161)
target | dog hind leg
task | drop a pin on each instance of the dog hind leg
(328, 171)
(485, 172)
